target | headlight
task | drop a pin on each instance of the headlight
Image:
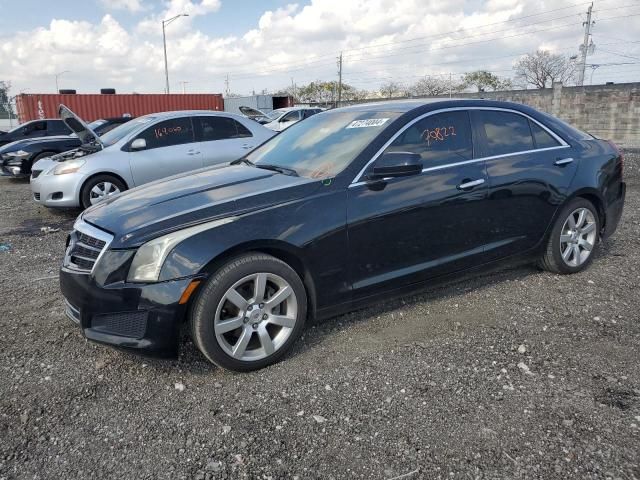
(70, 166)
(150, 257)
(19, 153)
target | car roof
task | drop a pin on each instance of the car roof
(408, 105)
(188, 113)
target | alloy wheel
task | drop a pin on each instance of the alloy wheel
(578, 237)
(256, 316)
(101, 191)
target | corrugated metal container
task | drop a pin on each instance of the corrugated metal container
(91, 107)
(261, 102)
(266, 103)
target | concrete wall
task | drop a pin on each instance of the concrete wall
(607, 111)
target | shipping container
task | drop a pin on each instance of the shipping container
(266, 103)
(91, 107)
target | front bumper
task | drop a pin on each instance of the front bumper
(57, 190)
(614, 211)
(15, 167)
(145, 318)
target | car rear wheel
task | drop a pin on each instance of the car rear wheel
(99, 188)
(249, 314)
(573, 239)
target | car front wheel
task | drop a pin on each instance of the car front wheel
(573, 239)
(249, 313)
(99, 188)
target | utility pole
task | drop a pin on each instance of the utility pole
(184, 84)
(450, 84)
(339, 80)
(586, 47)
(226, 86)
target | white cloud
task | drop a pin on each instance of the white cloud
(134, 6)
(404, 39)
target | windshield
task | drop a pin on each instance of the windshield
(323, 145)
(273, 114)
(121, 131)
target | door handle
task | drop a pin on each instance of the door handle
(192, 152)
(471, 184)
(247, 147)
(563, 161)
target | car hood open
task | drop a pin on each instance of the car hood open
(78, 126)
(146, 212)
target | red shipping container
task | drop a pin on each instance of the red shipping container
(90, 107)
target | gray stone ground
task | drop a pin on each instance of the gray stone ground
(514, 374)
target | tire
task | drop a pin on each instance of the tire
(563, 239)
(114, 184)
(241, 344)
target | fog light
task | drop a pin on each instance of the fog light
(56, 196)
(15, 170)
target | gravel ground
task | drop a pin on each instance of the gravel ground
(514, 374)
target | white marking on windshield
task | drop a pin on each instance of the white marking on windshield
(369, 122)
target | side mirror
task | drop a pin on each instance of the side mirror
(397, 164)
(138, 144)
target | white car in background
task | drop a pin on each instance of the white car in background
(142, 150)
(281, 118)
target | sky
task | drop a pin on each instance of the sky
(264, 45)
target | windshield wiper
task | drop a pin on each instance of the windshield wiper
(278, 168)
(244, 160)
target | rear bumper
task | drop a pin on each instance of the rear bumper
(614, 212)
(142, 318)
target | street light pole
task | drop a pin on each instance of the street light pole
(57, 75)
(164, 44)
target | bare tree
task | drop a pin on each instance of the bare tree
(391, 89)
(542, 68)
(432, 86)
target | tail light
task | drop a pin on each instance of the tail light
(620, 154)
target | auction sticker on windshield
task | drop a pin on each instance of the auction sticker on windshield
(369, 122)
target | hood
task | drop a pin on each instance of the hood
(252, 112)
(78, 126)
(146, 212)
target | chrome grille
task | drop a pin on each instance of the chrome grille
(86, 245)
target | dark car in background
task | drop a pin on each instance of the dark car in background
(17, 158)
(34, 129)
(346, 208)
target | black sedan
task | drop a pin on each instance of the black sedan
(346, 208)
(35, 129)
(17, 158)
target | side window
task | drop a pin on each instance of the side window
(58, 127)
(504, 132)
(35, 127)
(439, 139)
(176, 131)
(291, 116)
(221, 128)
(308, 113)
(541, 137)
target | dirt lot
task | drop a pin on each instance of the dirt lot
(515, 374)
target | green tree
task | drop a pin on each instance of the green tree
(5, 101)
(483, 81)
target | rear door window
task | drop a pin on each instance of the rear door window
(176, 131)
(504, 132)
(439, 139)
(221, 128)
(541, 137)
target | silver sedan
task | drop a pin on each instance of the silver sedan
(145, 149)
